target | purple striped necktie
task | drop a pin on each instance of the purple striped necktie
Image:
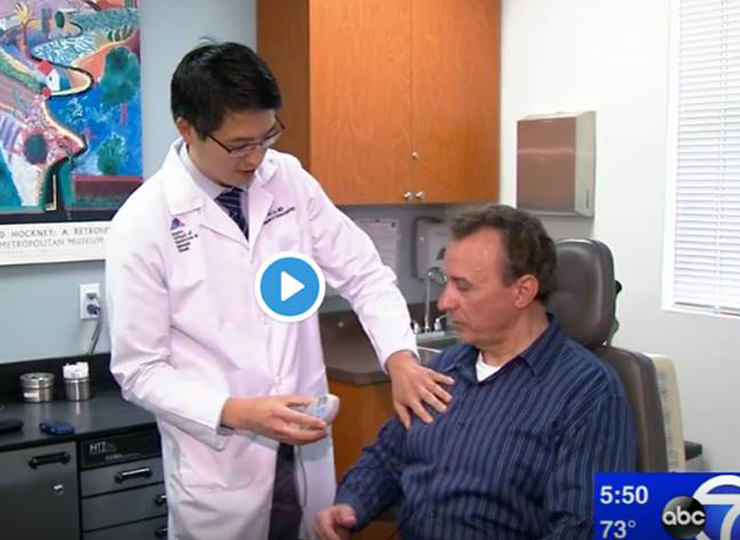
(231, 200)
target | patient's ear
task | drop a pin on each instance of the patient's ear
(526, 289)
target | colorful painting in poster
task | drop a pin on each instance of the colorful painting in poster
(70, 109)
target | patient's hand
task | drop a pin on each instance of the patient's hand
(335, 522)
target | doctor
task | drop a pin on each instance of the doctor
(189, 341)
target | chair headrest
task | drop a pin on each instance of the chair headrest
(585, 294)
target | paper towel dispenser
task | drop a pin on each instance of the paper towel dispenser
(556, 163)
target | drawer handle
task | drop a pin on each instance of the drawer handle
(160, 499)
(48, 459)
(161, 532)
(144, 472)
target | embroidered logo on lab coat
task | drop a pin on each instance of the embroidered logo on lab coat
(181, 235)
(278, 212)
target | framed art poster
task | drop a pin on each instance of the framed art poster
(70, 125)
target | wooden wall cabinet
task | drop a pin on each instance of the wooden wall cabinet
(387, 101)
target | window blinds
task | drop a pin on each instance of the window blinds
(706, 206)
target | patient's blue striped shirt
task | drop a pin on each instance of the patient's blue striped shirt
(512, 458)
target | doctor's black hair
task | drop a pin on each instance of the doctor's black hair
(529, 248)
(216, 78)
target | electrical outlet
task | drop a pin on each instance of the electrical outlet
(89, 301)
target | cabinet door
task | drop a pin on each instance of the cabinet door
(455, 65)
(364, 410)
(360, 97)
(123, 507)
(39, 493)
(282, 40)
(142, 530)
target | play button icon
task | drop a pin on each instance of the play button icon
(289, 286)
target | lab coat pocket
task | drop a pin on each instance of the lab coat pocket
(228, 471)
(235, 466)
(218, 514)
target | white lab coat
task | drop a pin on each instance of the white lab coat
(187, 333)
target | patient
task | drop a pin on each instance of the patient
(533, 414)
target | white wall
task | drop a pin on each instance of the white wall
(169, 29)
(611, 56)
(39, 312)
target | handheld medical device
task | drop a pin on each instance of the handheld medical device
(325, 407)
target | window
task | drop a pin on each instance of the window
(702, 261)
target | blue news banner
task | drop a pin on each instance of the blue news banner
(665, 506)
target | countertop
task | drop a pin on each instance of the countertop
(353, 361)
(348, 355)
(106, 412)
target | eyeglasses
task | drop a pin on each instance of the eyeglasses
(244, 150)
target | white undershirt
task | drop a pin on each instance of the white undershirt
(484, 370)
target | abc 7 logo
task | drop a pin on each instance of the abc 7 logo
(685, 517)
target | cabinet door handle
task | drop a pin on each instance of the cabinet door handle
(414, 155)
(420, 195)
(161, 532)
(160, 499)
(48, 459)
(408, 195)
(144, 472)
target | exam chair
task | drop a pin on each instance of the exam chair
(584, 303)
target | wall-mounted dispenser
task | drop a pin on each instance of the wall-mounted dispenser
(430, 241)
(556, 163)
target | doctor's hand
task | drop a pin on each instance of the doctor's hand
(335, 522)
(272, 417)
(413, 385)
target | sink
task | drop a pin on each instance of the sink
(437, 340)
(426, 354)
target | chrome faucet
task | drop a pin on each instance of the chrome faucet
(415, 328)
(437, 326)
(440, 279)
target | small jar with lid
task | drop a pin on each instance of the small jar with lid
(37, 387)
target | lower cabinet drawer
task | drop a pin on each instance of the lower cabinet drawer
(150, 529)
(123, 507)
(121, 476)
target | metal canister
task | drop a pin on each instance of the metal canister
(77, 389)
(37, 387)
